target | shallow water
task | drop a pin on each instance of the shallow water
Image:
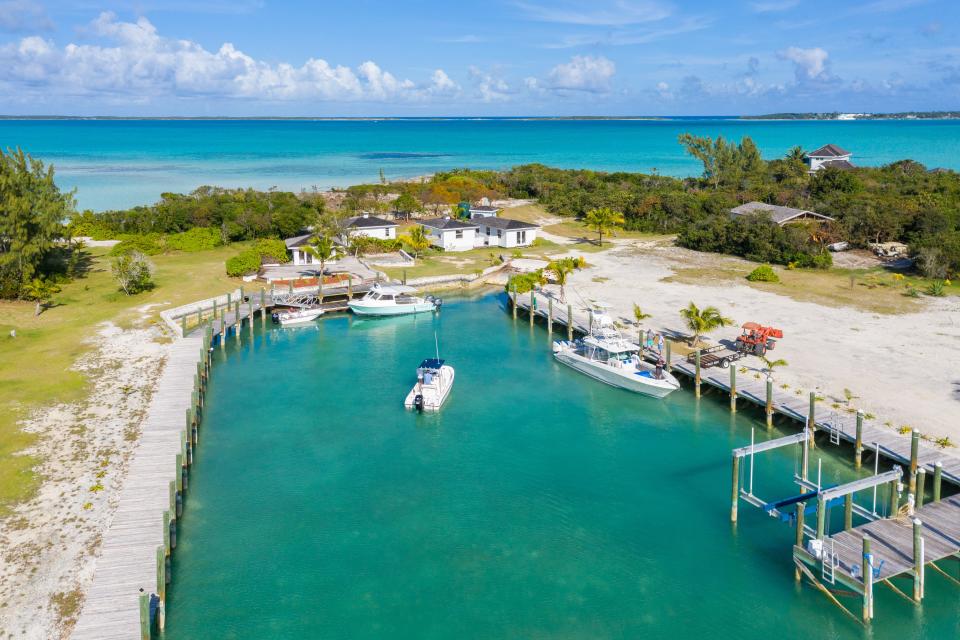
(538, 503)
(117, 163)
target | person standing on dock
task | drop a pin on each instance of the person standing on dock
(660, 343)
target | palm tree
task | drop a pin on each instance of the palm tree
(416, 238)
(602, 219)
(703, 321)
(41, 291)
(323, 248)
(561, 273)
(773, 364)
(639, 316)
(796, 154)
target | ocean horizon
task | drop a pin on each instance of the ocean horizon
(117, 163)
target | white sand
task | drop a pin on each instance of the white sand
(904, 368)
(49, 543)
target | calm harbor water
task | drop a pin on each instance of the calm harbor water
(117, 164)
(537, 504)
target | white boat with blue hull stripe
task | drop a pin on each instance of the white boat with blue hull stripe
(384, 300)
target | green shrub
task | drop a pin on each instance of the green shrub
(243, 264)
(196, 239)
(763, 273)
(525, 282)
(150, 244)
(274, 249)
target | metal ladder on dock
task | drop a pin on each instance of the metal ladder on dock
(834, 429)
(828, 561)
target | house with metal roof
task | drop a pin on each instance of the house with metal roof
(297, 248)
(483, 211)
(780, 215)
(450, 234)
(369, 226)
(505, 232)
(829, 155)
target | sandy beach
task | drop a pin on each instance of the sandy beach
(51, 542)
(900, 367)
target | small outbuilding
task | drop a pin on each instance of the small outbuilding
(297, 248)
(450, 234)
(780, 215)
(829, 155)
(483, 211)
(507, 233)
(369, 226)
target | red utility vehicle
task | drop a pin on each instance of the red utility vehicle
(757, 339)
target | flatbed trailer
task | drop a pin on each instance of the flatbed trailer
(716, 356)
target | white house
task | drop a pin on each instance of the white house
(504, 232)
(450, 234)
(296, 247)
(829, 155)
(483, 211)
(369, 226)
(780, 215)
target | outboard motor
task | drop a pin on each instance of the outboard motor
(418, 402)
(437, 303)
(275, 317)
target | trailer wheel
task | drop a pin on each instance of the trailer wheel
(724, 364)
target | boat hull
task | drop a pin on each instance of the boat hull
(361, 309)
(299, 319)
(621, 378)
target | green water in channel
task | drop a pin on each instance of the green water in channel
(537, 504)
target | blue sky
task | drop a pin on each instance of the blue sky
(496, 58)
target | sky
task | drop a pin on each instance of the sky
(492, 58)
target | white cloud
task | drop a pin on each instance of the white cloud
(491, 87)
(598, 13)
(134, 59)
(582, 73)
(809, 64)
(625, 37)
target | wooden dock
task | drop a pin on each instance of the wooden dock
(842, 426)
(131, 568)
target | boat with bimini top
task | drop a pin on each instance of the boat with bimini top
(393, 300)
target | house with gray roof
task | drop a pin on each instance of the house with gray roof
(780, 215)
(505, 232)
(450, 234)
(369, 226)
(829, 155)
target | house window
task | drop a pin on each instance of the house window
(488, 231)
(521, 237)
(459, 234)
(499, 233)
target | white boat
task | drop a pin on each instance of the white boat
(296, 316)
(606, 356)
(393, 301)
(434, 382)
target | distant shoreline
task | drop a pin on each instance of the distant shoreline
(774, 117)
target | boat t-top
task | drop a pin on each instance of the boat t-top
(434, 381)
(607, 356)
(393, 300)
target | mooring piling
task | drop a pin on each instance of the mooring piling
(144, 602)
(515, 301)
(533, 306)
(812, 419)
(768, 405)
(733, 388)
(914, 458)
(866, 571)
(667, 349)
(921, 486)
(937, 478)
(918, 563)
(549, 316)
(735, 491)
(858, 444)
(848, 512)
(570, 322)
(696, 377)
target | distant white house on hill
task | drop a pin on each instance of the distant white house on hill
(507, 233)
(450, 234)
(780, 215)
(829, 155)
(369, 226)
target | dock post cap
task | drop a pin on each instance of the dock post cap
(938, 464)
(916, 522)
(921, 470)
(860, 412)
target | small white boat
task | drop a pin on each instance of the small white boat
(606, 356)
(393, 301)
(297, 316)
(434, 382)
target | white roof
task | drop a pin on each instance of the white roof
(613, 346)
(393, 288)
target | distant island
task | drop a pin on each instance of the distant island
(836, 115)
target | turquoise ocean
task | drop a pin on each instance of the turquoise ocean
(537, 504)
(122, 163)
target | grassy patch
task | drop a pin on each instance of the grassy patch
(35, 366)
(873, 290)
(448, 263)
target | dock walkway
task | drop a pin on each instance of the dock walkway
(892, 445)
(128, 563)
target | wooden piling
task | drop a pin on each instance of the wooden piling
(858, 445)
(161, 587)
(735, 491)
(229, 300)
(533, 304)
(821, 517)
(183, 326)
(866, 569)
(145, 625)
(350, 287)
(921, 486)
(914, 457)
(404, 276)
(733, 388)
(894, 500)
(666, 346)
(937, 477)
(769, 403)
(848, 512)
(549, 316)
(812, 419)
(696, 377)
(590, 319)
(570, 322)
(918, 564)
(798, 537)
(515, 301)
